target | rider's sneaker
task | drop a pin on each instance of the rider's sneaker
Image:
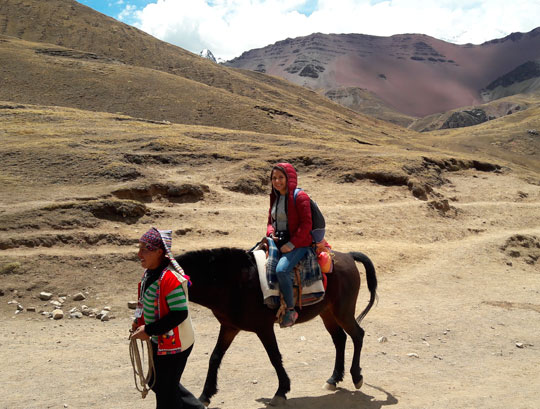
(289, 319)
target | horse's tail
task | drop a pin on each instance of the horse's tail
(371, 278)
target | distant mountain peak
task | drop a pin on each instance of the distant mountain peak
(416, 74)
(206, 53)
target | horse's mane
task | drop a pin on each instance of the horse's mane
(217, 265)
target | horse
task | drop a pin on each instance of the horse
(226, 281)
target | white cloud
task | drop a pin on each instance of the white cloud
(229, 27)
(128, 13)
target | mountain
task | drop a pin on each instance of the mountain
(521, 80)
(474, 115)
(62, 53)
(206, 53)
(513, 138)
(415, 74)
(366, 102)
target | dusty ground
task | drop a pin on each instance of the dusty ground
(459, 289)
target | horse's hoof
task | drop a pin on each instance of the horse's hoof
(330, 386)
(278, 401)
(204, 401)
(359, 384)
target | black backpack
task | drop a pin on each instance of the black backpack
(318, 225)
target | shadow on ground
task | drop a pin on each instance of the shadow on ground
(342, 399)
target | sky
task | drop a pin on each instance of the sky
(230, 27)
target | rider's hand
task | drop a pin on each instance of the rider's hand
(285, 249)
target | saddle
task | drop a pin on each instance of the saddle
(304, 295)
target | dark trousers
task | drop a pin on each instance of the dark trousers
(170, 394)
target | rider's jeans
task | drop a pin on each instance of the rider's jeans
(283, 271)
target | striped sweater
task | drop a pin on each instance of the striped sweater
(176, 300)
(166, 294)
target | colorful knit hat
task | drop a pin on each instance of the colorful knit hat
(152, 239)
(161, 239)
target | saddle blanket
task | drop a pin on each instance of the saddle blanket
(311, 294)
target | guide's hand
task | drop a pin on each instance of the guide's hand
(139, 334)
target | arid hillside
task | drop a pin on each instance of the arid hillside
(366, 102)
(415, 74)
(477, 114)
(79, 58)
(41, 73)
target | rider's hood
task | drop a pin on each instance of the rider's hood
(290, 172)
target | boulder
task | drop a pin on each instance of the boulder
(45, 296)
(463, 119)
(79, 297)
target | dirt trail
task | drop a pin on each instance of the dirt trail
(449, 294)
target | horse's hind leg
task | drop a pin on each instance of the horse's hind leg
(339, 338)
(225, 338)
(268, 338)
(357, 334)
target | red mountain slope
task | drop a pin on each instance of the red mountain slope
(416, 74)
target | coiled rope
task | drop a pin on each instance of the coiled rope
(137, 363)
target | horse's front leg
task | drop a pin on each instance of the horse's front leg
(268, 338)
(225, 338)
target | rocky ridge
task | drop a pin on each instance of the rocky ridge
(405, 71)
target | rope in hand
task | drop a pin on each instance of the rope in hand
(137, 363)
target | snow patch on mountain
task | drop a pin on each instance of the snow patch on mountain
(206, 53)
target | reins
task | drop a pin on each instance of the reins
(137, 363)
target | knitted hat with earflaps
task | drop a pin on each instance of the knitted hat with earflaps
(155, 239)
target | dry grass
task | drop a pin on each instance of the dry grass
(495, 109)
(58, 146)
(147, 78)
(507, 140)
(37, 77)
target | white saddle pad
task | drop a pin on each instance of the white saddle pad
(260, 259)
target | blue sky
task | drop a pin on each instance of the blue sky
(113, 7)
(230, 27)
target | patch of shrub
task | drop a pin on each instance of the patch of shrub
(10, 268)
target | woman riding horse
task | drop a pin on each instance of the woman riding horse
(226, 281)
(289, 225)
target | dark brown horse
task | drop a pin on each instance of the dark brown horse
(226, 281)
